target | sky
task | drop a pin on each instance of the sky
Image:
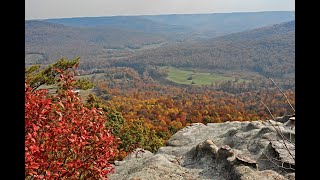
(47, 9)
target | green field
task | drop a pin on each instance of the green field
(198, 78)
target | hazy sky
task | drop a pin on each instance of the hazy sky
(45, 9)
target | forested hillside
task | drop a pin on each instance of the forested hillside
(53, 41)
(269, 51)
(123, 41)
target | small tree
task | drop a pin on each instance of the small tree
(63, 138)
(37, 76)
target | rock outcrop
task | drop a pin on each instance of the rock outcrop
(219, 151)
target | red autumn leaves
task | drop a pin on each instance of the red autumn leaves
(63, 138)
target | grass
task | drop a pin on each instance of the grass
(197, 78)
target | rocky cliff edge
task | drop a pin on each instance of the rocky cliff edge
(219, 151)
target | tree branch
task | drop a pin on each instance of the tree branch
(283, 94)
(278, 131)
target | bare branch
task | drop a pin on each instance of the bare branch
(283, 94)
(290, 168)
(268, 110)
(278, 131)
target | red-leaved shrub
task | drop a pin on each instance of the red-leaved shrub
(63, 138)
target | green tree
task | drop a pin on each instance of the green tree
(37, 76)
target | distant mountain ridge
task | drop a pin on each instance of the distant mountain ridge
(196, 25)
(217, 24)
(128, 22)
(261, 32)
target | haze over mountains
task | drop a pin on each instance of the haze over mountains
(199, 25)
(259, 42)
(182, 26)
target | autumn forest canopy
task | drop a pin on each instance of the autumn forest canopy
(98, 88)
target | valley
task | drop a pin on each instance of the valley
(154, 75)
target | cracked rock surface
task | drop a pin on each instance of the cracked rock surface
(219, 151)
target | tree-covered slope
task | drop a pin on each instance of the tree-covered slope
(269, 51)
(55, 40)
